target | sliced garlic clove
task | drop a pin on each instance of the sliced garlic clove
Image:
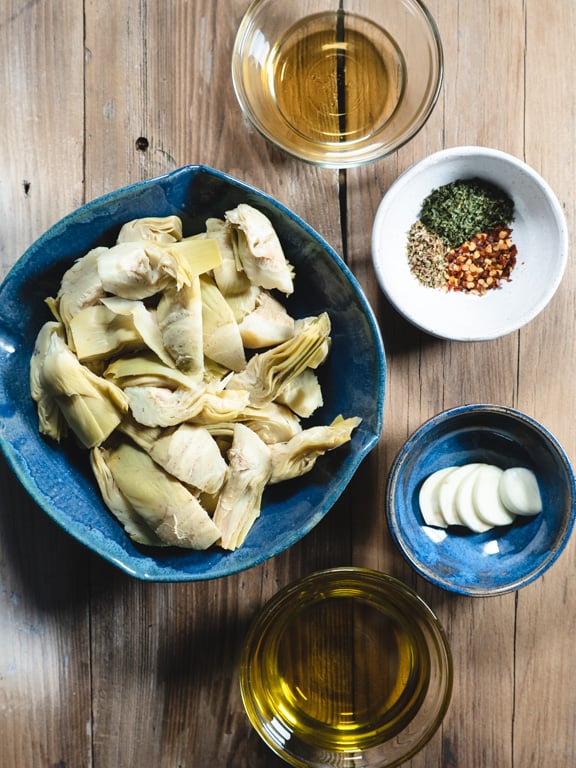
(519, 491)
(486, 497)
(465, 508)
(448, 490)
(428, 498)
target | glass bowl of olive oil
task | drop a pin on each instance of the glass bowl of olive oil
(337, 83)
(346, 667)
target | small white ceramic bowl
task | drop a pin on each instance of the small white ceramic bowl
(539, 231)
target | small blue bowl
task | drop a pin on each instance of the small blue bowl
(353, 378)
(502, 559)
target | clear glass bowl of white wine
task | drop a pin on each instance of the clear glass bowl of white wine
(348, 668)
(337, 83)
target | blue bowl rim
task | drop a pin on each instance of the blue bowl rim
(15, 460)
(406, 449)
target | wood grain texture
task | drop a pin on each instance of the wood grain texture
(45, 692)
(100, 671)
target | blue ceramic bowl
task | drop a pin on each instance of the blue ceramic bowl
(502, 559)
(353, 379)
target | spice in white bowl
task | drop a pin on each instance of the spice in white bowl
(462, 240)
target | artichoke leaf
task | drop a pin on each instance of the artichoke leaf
(215, 373)
(146, 370)
(140, 269)
(240, 499)
(145, 321)
(221, 335)
(272, 422)
(302, 394)
(268, 372)
(219, 406)
(200, 253)
(162, 502)
(257, 247)
(229, 276)
(267, 325)
(162, 407)
(242, 304)
(51, 421)
(97, 333)
(118, 504)
(179, 316)
(188, 452)
(159, 229)
(222, 429)
(91, 406)
(298, 455)
(80, 287)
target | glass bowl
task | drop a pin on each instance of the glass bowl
(337, 85)
(346, 667)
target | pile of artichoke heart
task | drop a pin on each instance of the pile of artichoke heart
(173, 362)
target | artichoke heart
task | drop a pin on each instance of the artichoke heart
(229, 277)
(302, 394)
(160, 229)
(139, 269)
(243, 303)
(258, 249)
(145, 370)
(162, 407)
(180, 320)
(267, 325)
(268, 372)
(80, 287)
(272, 422)
(91, 406)
(98, 333)
(298, 455)
(163, 504)
(118, 504)
(51, 421)
(221, 335)
(188, 452)
(145, 321)
(241, 497)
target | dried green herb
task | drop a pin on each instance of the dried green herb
(459, 210)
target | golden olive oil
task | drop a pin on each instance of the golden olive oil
(341, 673)
(333, 78)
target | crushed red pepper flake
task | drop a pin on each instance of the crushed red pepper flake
(481, 263)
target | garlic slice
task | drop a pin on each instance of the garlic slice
(519, 491)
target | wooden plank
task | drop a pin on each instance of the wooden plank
(41, 160)
(44, 649)
(545, 702)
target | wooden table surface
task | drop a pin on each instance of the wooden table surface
(100, 670)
